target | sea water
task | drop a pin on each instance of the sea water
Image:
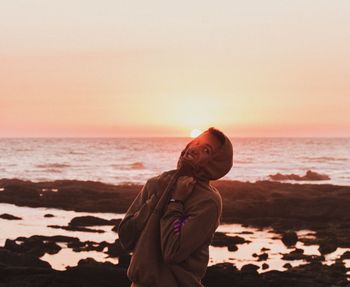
(34, 222)
(134, 160)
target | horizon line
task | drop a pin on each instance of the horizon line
(159, 137)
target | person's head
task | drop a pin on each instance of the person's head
(208, 156)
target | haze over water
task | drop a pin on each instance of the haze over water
(134, 160)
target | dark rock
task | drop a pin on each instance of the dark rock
(226, 267)
(115, 249)
(246, 232)
(220, 239)
(33, 246)
(76, 245)
(90, 221)
(87, 261)
(289, 238)
(236, 240)
(10, 258)
(250, 268)
(87, 275)
(309, 275)
(93, 275)
(93, 263)
(265, 266)
(282, 206)
(314, 258)
(327, 247)
(9, 217)
(55, 238)
(263, 257)
(227, 275)
(287, 266)
(49, 215)
(90, 273)
(76, 228)
(232, 247)
(302, 206)
(88, 246)
(93, 196)
(124, 260)
(310, 175)
(345, 255)
(101, 246)
(296, 254)
(52, 247)
(39, 245)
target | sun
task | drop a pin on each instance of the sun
(195, 133)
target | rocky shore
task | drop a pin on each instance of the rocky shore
(284, 207)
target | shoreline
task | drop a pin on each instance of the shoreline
(284, 207)
(308, 199)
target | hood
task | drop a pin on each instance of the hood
(218, 165)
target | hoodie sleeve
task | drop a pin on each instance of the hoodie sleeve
(136, 217)
(181, 235)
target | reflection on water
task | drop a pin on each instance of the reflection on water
(67, 257)
(267, 239)
(34, 223)
(347, 265)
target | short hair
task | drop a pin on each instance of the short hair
(218, 134)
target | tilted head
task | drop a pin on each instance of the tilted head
(207, 157)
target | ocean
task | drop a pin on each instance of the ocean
(134, 160)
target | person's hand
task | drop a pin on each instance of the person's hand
(184, 187)
(186, 167)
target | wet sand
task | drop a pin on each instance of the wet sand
(284, 207)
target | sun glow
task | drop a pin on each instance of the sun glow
(195, 133)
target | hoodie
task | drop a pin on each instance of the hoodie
(170, 243)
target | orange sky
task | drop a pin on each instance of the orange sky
(163, 68)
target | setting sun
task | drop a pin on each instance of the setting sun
(195, 133)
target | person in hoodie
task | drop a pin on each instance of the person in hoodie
(186, 223)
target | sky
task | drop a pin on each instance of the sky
(110, 68)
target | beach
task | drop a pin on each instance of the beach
(99, 98)
(298, 216)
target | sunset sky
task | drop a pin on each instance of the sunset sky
(162, 68)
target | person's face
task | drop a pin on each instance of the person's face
(201, 149)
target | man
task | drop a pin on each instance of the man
(170, 224)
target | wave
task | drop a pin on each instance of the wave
(324, 158)
(23, 149)
(54, 170)
(53, 166)
(124, 166)
(76, 152)
(243, 161)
